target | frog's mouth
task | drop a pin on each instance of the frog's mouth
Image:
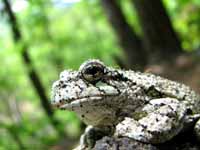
(65, 103)
(70, 104)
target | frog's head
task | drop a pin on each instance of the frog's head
(92, 89)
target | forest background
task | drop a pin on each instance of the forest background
(41, 38)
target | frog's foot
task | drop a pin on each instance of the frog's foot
(91, 135)
(165, 119)
(197, 129)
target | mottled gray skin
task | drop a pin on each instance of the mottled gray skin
(142, 106)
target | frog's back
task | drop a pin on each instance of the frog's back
(167, 87)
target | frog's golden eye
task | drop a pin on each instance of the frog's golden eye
(93, 72)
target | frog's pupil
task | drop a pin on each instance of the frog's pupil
(92, 70)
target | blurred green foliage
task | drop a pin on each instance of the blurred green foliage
(61, 37)
(185, 16)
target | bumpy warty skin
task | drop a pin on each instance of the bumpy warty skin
(104, 96)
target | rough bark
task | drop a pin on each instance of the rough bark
(184, 141)
(32, 74)
(160, 40)
(127, 38)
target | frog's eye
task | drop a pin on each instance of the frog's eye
(93, 72)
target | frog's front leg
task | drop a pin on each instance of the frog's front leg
(91, 135)
(165, 118)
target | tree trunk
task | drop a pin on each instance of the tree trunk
(127, 38)
(160, 40)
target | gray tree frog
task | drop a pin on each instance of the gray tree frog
(115, 102)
